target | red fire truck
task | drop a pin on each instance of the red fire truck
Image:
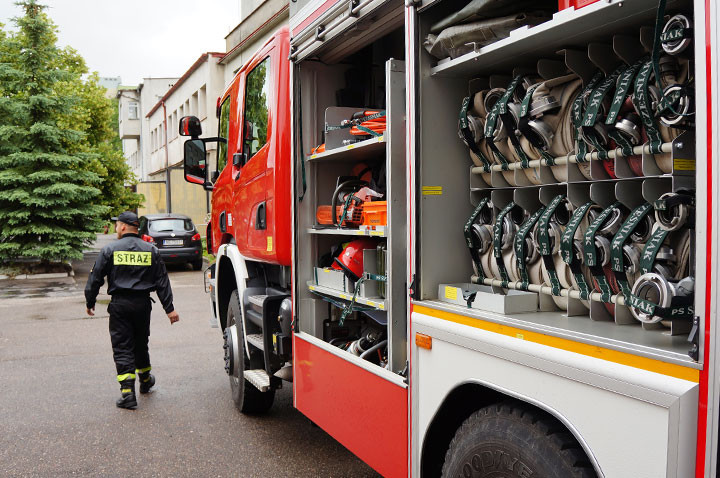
(469, 233)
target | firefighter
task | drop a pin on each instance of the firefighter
(133, 268)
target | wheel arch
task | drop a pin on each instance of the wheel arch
(231, 273)
(462, 401)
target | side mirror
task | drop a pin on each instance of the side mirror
(190, 126)
(195, 163)
(239, 159)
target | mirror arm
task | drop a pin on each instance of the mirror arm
(215, 139)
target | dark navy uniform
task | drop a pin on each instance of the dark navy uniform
(133, 268)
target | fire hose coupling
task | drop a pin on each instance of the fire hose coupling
(541, 134)
(677, 35)
(554, 236)
(483, 237)
(669, 66)
(491, 98)
(673, 210)
(476, 127)
(631, 258)
(681, 106)
(630, 126)
(612, 224)
(599, 132)
(666, 254)
(656, 289)
(643, 230)
(531, 251)
(543, 104)
(602, 244)
(509, 227)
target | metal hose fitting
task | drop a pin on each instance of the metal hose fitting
(679, 45)
(674, 217)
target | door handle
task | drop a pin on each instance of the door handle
(261, 217)
(222, 220)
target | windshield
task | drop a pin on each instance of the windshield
(167, 225)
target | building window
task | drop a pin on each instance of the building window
(194, 104)
(133, 110)
(202, 103)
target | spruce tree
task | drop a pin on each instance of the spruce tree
(49, 206)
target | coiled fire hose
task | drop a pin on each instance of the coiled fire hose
(504, 230)
(478, 236)
(596, 247)
(571, 251)
(527, 259)
(547, 237)
(665, 289)
(471, 126)
(500, 125)
(546, 121)
(672, 103)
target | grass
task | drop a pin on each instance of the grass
(209, 257)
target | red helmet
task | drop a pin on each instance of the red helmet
(350, 260)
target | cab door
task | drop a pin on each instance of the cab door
(222, 200)
(255, 97)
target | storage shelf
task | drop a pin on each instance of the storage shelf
(656, 344)
(567, 29)
(362, 150)
(376, 303)
(330, 231)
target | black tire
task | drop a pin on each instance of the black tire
(510, 440)
(197, 265)
(247, 398)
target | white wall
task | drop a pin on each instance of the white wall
(196, 96)
(152, 90)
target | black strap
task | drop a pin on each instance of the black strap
(497, 243)
(467, 135)
(520, 244)
(470, 238)
(566, 249)
(591, 252)
(545, 248)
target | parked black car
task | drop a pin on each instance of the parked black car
(175, 236)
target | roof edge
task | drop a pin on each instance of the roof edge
(185, 76)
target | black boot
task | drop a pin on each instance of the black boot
(128, 399)
(147, 384)
(147, 380)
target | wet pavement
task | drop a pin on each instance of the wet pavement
(57, 405)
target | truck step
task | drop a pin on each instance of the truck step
(256, 340)
(256, 301)
(258, 378)
(254, 316)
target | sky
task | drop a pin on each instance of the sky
(137, 39)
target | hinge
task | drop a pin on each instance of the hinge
(352, 4)
(694, 339)
(404, 373)
(413, 289)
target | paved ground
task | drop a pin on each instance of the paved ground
(58, 390)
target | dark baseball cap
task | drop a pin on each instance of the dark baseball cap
(128, 217)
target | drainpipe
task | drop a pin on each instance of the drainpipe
(168, 195)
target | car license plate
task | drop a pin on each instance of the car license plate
(173, 242)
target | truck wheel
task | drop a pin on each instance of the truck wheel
(510, 440)
(197, 265)
(247, 398)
